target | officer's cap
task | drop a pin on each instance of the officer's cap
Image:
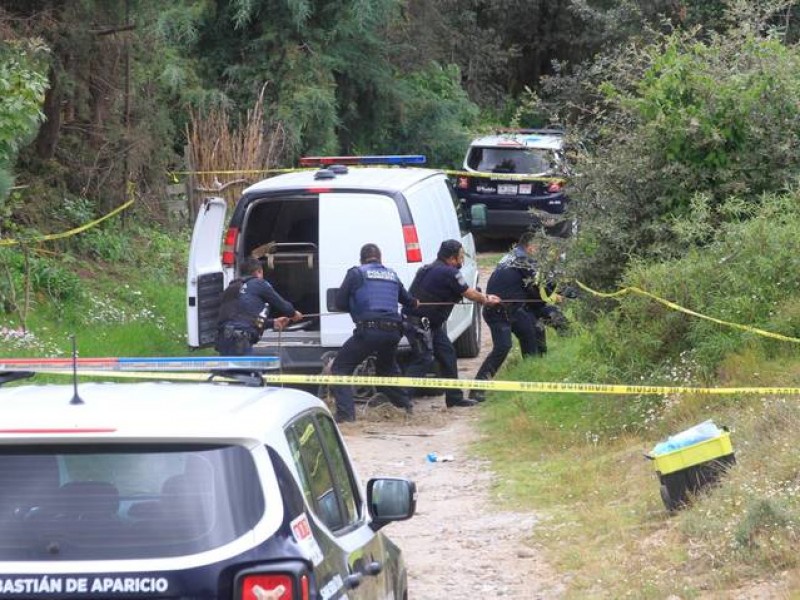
(449, 249)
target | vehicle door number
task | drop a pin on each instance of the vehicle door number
(507, 188)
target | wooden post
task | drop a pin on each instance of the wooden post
(191, 185)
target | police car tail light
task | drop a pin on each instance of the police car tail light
(228, 256)
(463, 183)
(413, 251)
(554, 187)
(387, 159)
(274, 586)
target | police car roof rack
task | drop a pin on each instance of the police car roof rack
(241, 376)
(545, 131)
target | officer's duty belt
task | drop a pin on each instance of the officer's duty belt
(382, 325)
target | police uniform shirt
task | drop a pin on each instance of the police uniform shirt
(356, 278)
(256, 292)
(514, 278)
(440, 283)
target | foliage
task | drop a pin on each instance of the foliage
(54, 282)
(669, 117)
(745, 273)
(434, 117)
(22, 87)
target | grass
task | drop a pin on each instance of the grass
(573, 459)
(120, 309)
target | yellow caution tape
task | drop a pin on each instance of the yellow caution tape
(173, 174)
(492, 176)
(65, 234)
(678, 307)
(473, 384)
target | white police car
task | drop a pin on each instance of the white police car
(187, 491)
(497, 166)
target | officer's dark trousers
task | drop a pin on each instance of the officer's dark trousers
(443, 351)
(381, 343)
(523, 325)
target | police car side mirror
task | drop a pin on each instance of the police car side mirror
(477, 213)
(390, 499)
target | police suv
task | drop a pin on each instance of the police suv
(187, 491)
(307, 228)
(497, 167)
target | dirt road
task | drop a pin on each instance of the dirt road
(458, 545)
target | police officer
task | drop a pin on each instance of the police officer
(438, 287)
(516, 280)
(371, 293)
(244, 312)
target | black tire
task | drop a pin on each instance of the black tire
(468, 344)
(365, 369)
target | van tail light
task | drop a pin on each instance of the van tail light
(555, 187)
(273, 585)
(228, 247)
(463, 183)
(413, 251)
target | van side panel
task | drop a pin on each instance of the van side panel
(348, 221)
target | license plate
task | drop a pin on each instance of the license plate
(507, 188)
(525, 188)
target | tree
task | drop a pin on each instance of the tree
(22, 86)
(680, 118)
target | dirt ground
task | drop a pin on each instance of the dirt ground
(458, 545)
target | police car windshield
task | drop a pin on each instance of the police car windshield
(510, 160)
(124, 501)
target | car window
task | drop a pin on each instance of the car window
(124, 501)
(511, 160)
(325, 474)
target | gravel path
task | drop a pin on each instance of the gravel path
(458, 545)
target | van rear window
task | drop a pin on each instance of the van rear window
(124, 501)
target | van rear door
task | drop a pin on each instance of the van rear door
(348, 220)
(205, 280)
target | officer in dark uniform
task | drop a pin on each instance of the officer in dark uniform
(438, 286)
(516, 280)
(371, 293)
(245, 308)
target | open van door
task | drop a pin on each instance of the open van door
(205, 280)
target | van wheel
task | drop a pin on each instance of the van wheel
(468, 344)
(365, 369)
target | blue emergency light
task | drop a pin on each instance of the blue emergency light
(157, 364)
(388, 159)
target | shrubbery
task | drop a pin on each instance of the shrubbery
(748, 273)
(669, 117)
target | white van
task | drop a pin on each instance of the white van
(307, 228)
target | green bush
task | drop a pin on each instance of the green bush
(671, 117)
(748, 273)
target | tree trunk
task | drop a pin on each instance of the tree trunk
(47, 138)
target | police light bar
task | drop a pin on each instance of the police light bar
(524, 130)
(389, 159)
(155, 364)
